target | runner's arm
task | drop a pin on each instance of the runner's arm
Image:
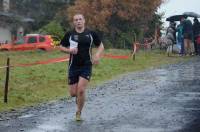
(65, 44)
(68, 50)
(98, 54)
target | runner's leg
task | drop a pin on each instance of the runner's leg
(73, 90)
(82, 84)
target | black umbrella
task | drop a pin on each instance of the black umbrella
(191, 14)
(175, 18)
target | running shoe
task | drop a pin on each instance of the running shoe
(78, 116)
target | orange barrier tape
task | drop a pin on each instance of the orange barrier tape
(62, 59)
(116, 56)
(144, 44)
(56, 60)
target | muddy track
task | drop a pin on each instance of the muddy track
(165, 99)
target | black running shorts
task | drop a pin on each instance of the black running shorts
(79, 71)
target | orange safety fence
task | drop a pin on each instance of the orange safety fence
(62, 59)
(55, 60)
(116, 56)
(145, 45)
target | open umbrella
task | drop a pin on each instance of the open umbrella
(175, 18)
(191, 14)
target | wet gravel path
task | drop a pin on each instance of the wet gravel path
(166, 99)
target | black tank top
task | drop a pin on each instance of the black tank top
(85, 41)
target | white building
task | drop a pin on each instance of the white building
(11, 24)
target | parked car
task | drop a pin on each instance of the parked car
(30, 42)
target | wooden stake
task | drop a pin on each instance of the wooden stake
(7, 80)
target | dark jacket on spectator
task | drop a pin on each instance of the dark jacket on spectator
(196, 27)
(187, 29)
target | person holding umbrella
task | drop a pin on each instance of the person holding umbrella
(196, 33)
(187, 35)
(195, 26)
(179, 30)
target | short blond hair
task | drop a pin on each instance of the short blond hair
(77, 14)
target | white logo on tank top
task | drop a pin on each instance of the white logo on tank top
(76, 37)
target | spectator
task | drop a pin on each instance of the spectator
(187, 35)
(198, 45)
(172, 30)
(180, 40)
(196, 33)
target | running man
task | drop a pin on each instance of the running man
(78, 43)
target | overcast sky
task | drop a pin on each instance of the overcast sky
(175, 7)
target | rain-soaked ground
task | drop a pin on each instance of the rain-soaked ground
(166, 99)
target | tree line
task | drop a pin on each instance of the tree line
(117, 21)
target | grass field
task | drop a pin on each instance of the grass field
(40, 83)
